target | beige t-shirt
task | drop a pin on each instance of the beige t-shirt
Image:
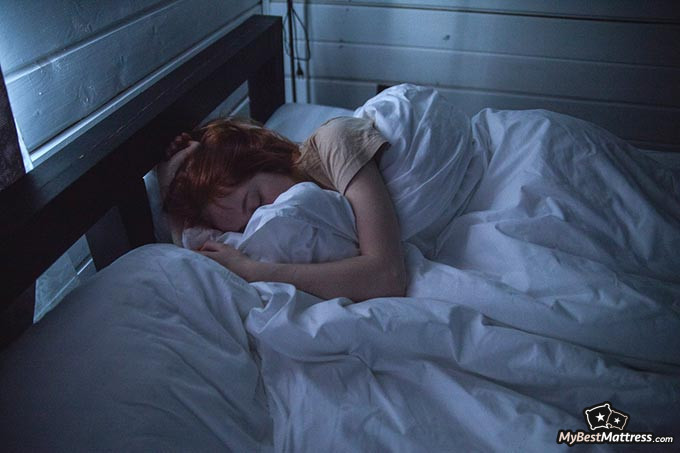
(338, 149)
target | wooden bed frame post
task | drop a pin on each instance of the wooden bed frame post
(127, 225)
(20, 311)
(266, 88)
(136, 214)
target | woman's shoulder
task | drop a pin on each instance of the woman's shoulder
(338, 149)
(342, 125)
(343, 131)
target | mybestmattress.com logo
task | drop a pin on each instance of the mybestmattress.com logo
(607, 425)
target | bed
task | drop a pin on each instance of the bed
(543, 281)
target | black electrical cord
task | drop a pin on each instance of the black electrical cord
(291, 47)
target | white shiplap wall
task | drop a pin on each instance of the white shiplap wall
(68, 64)
(614, 63)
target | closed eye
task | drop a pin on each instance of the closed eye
(251, 202)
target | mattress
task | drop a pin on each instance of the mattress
(546, 287)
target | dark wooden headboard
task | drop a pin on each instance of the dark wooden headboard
(48, 209)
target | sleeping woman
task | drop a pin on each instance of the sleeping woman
(230, 167)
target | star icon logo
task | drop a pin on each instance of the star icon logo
(603, 416)
(597, 416)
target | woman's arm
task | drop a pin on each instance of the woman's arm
(378, 272)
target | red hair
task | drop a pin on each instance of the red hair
(232, 151)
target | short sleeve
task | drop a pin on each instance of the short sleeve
(339, 149)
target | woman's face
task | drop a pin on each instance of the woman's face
(232, 211)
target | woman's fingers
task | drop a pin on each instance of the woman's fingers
(214, 246)
(228, 257)
(173, 147)
(179, 143)
(180, 156)
(220, 252)
(167, 169)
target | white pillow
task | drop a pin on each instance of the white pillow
(305, 224)
(298, 121)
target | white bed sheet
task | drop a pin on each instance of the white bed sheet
(543, 302)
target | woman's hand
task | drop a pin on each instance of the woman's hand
(176, 153)
(230, 258)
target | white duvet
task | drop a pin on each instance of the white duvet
(548, 282)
